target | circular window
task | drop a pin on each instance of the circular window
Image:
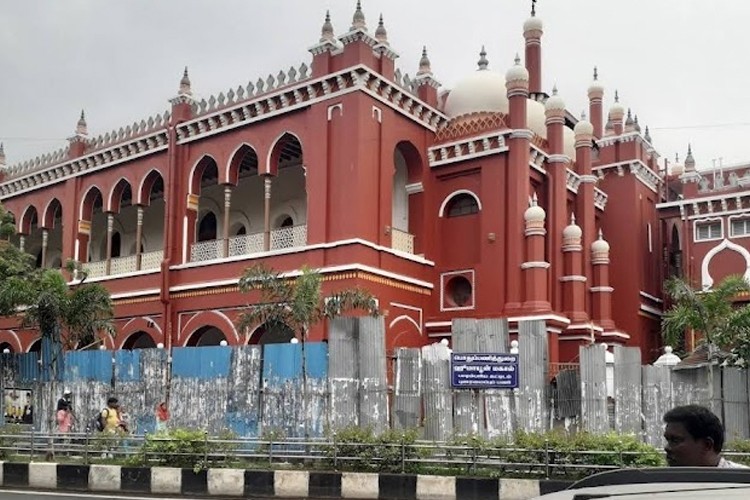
(458, 292)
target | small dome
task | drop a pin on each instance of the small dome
(517, 73)
(583, 127)
(555, 102)
(533, 23)
(676, 169)
(572, 231)
(617, 111)
(535, 213)
(482, 91)
(600, 246)
(596, 88)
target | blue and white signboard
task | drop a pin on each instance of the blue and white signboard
(484, 371)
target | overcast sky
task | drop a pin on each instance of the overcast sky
(682, 65)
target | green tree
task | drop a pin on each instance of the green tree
(298, 303)
(714, 313)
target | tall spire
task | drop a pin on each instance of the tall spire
(326, 32)
(358, 20)
(81, 127)
(381, 34)
(424, 63)
(647, 135)
(689, 160)
(596, 73)
(483, 62)
(185, 84)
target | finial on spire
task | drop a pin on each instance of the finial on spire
(554, 89)
(572, 218)
(617, 96)
(326, 32)
(358, 20)
(647, 135)
(601, 235)
(583, 115)
(677, 157)
(81, 127)
(596, 73)
(424, 63)
(2, 154)
(533, 8)
(185, 83)
(517, 60)
(690, 149)
(533, 200)
(381, 34)
(636, 125)
(483, 62)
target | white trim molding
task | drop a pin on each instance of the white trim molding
(448, 198)
(706, 280)
(444, 281)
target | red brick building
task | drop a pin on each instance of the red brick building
(490, 199)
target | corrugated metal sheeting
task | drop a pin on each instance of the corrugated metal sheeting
(657, 399)
(627, 390)
(468, 404)
(532, 398)
(735, 398)
(438, 398)
(407, 390)
(594, 414)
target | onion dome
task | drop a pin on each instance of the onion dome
(424, 63)
(381, 34)
(629, 123)
(677, 168)
(600, 246)
(81, 127)
(572, 233)
(482, 91)
(326, 32)
(584, 128)
(617, 111)
(533, 26)
(596, 89)
(534, 214)
(636, 125)
(517, 75)
(358, 20)
(668, 358)
(689, 160)
(185, 84)
(555, 103)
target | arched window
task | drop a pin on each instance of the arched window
(241, 231)
(459, 292)
(207, 227)
(286, 222)
(462, 204)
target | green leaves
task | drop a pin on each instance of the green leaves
(297, 302)
(712, 313)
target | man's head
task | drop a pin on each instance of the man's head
(694, 436)
(66, 394)
(113, 402)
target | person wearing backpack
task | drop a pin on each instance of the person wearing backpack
(110, 416)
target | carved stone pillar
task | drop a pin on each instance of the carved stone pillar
(267, 215)
(227, 210)
(138, 237)
(110, 230)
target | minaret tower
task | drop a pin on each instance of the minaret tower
(596, 95)
(536, 268)
(601, 292)
(616, 114)
(427, 85)
(533, 29)
(77, 143)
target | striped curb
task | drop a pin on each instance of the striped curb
(227, 483)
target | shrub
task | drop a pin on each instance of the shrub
(739, 446)
(186, 448)
(360, 449)
(9, 440)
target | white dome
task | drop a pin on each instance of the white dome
(482, 91)
(600, 246)
(572, 232)
(534, 213)
(533, 24)
(569, 143)
(677, 169)
(583, 127)
(536, 121)
(517, 73)
(555, 103)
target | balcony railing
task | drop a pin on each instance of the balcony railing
(402, 241)
(96, 269)
(151, 260)
(285, 237)
(124, 265)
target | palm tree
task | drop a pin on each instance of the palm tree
(713, 312)
(298, 303)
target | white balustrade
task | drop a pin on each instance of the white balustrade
(96, 269)
(402, 241)
(289, 237)
(245, 244)
(151, 260)
(122, 265)
(206, 250)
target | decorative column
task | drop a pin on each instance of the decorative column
(517, 184)
(227, 210)
(557, 192)
(45, 244)
(532, 32)
(601, 292)
(138, 237)
(82, 242)
(535, 268)
(110, 229)
(22, 242)
(585, 207)
(267, 214)
(596, 95)
(574, 282)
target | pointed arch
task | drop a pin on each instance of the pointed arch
(412, 160)
(89, 202)
(243, 161)
(120, 195)
(28, 219)
(150, 187)
(706, 280)
(216, 319)
(448, 199)
(286, 148)
(205, 166)
(52, 214)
